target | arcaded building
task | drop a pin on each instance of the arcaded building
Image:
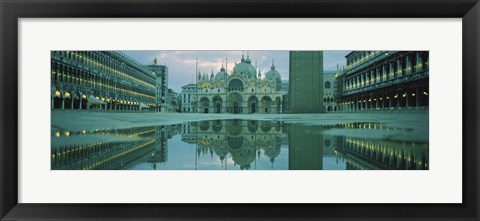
(384, 80)
(104, 80)
(305, 82)
(242, 91)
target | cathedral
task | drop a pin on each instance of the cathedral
(243, 91)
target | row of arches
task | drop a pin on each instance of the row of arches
(398, 99)
(235, 104)
(78, 101)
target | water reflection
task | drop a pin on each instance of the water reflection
(240, 145)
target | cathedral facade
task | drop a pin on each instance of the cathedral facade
(243, 91)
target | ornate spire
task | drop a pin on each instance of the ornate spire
(196, 68)
(273, 64)
(222, 68)
(248, 58)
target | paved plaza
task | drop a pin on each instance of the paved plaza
(415, 122)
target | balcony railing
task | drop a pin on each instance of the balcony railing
(395, 81)
(382, 55)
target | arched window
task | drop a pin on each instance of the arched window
(235, 85)
(327, 84)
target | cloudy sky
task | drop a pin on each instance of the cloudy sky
(181, 64)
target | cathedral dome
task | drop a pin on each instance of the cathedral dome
(244, 158)
(245, 67)
(273, 74)
(272, 151)
(221, 75)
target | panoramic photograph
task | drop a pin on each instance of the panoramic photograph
(239, 110)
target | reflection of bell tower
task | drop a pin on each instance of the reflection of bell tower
(305, 147)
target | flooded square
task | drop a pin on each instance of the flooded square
(237, 144)
(239, 110)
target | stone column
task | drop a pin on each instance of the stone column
(52, 104)
(408, 65)
(63, 103)
(373, 75)
(391, 70)
(419, 62)
(364, 79)
(384, 73)
(399, 68)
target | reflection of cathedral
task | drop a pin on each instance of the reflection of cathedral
(242, 91)
(241, 140)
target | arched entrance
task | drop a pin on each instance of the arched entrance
(68, 100)
(217, 103)
(57, 100)
(204, 102)
(234, 103)
(76, 101)
(265, 104)
(84, 101)
(253, 104)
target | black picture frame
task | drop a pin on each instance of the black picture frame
(12, 10)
